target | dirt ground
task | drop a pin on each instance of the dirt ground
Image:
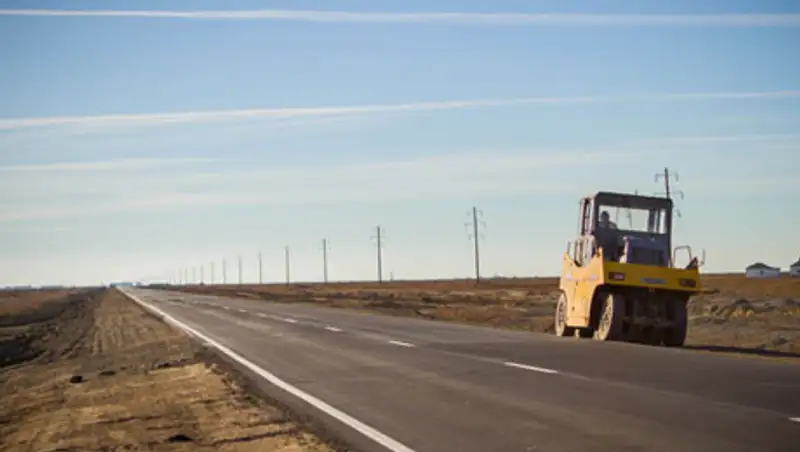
(84, 371)
(736, 315)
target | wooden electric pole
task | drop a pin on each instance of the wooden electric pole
(260, 269)
(287, 265)
(325, 261)
(476, 235)
(379, 238)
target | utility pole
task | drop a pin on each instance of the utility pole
(667, 176)
(212, 272)
(240, 270)
(287, 265)
(202, 274)
(476, 235)
(325, 261)
(379, 238)
(224, 272)
(260, 269)
(194, 275)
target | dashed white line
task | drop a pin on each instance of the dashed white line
(370, 432)
(333, 328)
(227, 308)
(242, 310)
(543, 370)
(288, 320)
(401, 344)
(794, 419)
(262, 315)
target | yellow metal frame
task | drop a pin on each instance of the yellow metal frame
(579, 283)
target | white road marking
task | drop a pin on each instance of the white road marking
(375, 435)
(288, 320)
(333, 328)
(262, 315)
(533, 368)
(227, 308)
(402, 344)
(794, 419)
(242, 310)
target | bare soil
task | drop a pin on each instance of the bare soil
(735, 314)
(91, 370)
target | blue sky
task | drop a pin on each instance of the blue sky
(132, 147)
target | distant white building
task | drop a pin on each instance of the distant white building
(761, 270)
(794, 269)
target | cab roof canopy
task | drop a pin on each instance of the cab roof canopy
(614, 199)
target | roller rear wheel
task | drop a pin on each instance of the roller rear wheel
(610, 325)
(675, 335)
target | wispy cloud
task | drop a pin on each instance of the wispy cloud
(466, 174)
(709, 139)
(273, 113)
(460, 18)
(106, 165)
(461, 175)
(142, 119)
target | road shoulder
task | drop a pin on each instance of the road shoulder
(104, 373)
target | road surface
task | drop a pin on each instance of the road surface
(396, 384)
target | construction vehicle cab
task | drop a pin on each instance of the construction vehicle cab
(619, 279)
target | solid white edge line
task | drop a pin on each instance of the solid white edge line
(401, 343)
(370, 432)
(333, 328)
(533, 368)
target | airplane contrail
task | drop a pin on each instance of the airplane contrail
(332, 111)
(462, 18)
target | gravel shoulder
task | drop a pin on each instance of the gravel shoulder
(93, 371)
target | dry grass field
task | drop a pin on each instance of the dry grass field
(90, 370)
(735, 315)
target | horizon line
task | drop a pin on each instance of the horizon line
(463, 18)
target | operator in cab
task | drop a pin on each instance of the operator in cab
(605, 221)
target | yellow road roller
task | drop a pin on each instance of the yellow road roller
(619, 278)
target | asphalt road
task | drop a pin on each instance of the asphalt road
(392, 383)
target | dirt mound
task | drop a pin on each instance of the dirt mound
(38, 331)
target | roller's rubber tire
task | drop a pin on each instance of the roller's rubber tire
(676, 334)
(610, 325)
(561, 328)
